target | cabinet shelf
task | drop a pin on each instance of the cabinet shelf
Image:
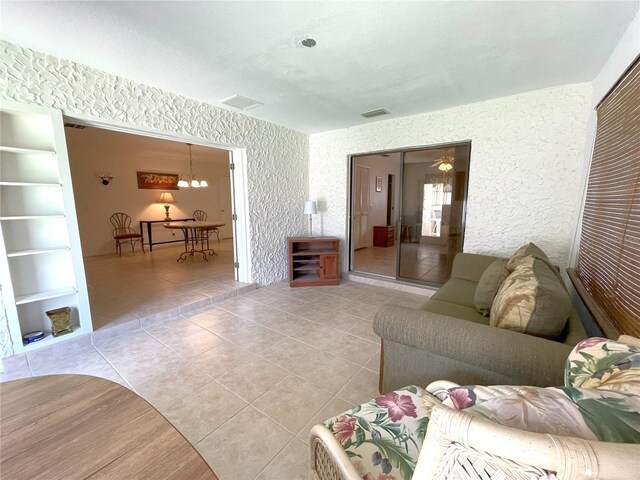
(39, 296)
(313, 252)
(29, 184)
(37, 251)
(26, 151)
(307, 268)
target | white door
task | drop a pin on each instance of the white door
(361, 208)
(224, 202)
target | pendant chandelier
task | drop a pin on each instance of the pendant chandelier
(191, 180)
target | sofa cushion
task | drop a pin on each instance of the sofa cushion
(383, 436)
(532, 300)
(457, 291)
(604, 364)
(452, 310)
(530, 249)
(488, 286)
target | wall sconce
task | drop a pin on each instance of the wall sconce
(105, 177)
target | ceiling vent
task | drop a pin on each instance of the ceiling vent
(75, 125)
(243, 103)
(375, 113)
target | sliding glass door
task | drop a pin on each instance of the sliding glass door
(413, 222)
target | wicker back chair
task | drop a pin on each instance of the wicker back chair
(499, 432)
(459, 445)
(123, 233)
(201, 216)
(464, 447)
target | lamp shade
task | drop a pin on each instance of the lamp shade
(165, 197)
(310, 207)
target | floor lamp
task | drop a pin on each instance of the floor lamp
(310, 209)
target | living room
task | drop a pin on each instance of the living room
(530, 157)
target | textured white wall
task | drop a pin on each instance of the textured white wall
(277, 157)
(526, 156)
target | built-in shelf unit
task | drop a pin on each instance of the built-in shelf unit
(41, 266)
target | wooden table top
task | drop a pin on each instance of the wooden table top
(79, 427)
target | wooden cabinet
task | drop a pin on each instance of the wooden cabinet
(41, 265)
(384, 236)
(314, 261)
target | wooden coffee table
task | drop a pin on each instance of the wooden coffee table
(78, 427)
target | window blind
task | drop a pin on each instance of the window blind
(609, 255)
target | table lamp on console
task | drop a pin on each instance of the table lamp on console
(310, 209)
(167, 199)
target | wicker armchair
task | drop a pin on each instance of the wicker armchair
(496, 432)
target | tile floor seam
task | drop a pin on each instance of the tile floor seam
(295, 434)
(324, 389)
(274, 458)
(114, 367)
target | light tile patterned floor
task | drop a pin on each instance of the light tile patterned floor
(420, 262)
(243, 380)
(136, 284)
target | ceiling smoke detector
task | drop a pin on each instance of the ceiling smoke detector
(243, 103)
(308, 42)
(375, 113)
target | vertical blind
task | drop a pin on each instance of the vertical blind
(609, 255)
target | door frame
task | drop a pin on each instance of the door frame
(237, 175)
(399, 185)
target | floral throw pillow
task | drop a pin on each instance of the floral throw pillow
(604, 364)
(383, 437)
(589, 414)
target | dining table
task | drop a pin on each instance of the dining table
(84, 427)
(195, 233)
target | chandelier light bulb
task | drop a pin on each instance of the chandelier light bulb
(191, 180)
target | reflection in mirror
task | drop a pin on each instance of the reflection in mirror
(374, 213)
(407, 212)
(433, 206)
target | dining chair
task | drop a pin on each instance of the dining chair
(201, 216)
(123, 233)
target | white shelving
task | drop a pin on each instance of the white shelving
(37, 251)
(45, 295)
(26, 184)
(41, 264)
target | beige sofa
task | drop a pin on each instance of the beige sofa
(448, 338)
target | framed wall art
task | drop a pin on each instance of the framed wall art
(378, 183)
(157, 181)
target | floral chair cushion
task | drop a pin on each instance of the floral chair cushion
(590, 414)
(383, 436)
(604, 364)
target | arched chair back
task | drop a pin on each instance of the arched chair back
(123, 233)
(200, 215)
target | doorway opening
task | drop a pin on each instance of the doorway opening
(408, 212)
(136, 285)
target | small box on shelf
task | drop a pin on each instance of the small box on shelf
(60, 321)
